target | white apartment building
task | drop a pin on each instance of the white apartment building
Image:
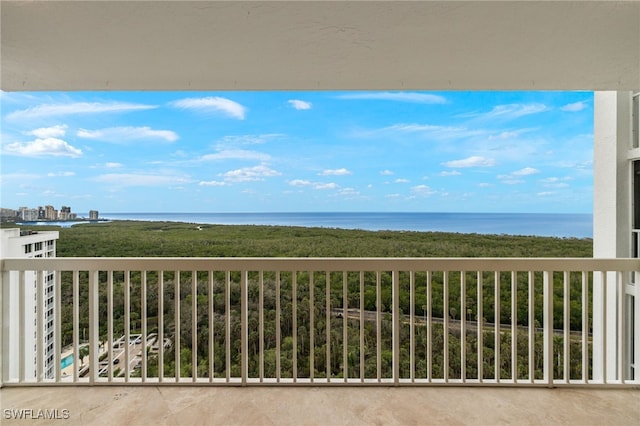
(37, 312)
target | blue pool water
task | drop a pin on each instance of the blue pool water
(66, 361)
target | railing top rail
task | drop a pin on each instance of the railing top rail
(320, 264)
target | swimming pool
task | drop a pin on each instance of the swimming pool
(66, 361)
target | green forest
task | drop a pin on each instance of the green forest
(287, 349)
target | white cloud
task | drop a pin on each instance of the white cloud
(545, 193)
(300, 182)
(451, 173)
(349, 192)
(235, 140)
(525, 172)
(248, 174)
(509, 180)
(47, 147)
(61, 174)
(386, 173)
(113, 165)
(335, 172)
(49, 132)
(574, 107)
(511, 134)
(212, 183)
(140, 179)
(236, 154)
(329, 185)
(555, 182)
(474, 161)
(433, 131)
(514, 178)
(214, 104)
(125, 134)
(422, 190)
(510, 111)
(484, 185)
(51, 110)
(422, 98)
(401, 180)
(299, 105)
(314, 185)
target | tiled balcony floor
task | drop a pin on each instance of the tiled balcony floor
(102, 405)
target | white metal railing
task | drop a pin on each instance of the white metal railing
(319, 321)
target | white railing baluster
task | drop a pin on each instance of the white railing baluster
(378, 326)
(278, 313)
(635, 362)
(294, 328)
(244, 327)
(160, 326)
(194, 326)
(566, 329)
(127, 322)
(412, 327)
(362, 348)
(496, 326)
(480, 326)
(177, 344)
(93, 326)
(261, 325)
(585, 328)
(621, 347)
(40, 315)
(463, 326)
(429, 326)
(227, 325)
(210, 297)
(514, 326)
(58, 325)
(312, 328)
(76, 326)
(445, 322)
(328, 324)
(531, 323)
(143, 327)
(345, 337)
(547, 318)
(603, 344)
(395, 294)
(110, 325)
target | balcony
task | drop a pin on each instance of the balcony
(541, 323)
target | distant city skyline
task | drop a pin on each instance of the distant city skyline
(299, 151)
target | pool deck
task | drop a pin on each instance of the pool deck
(196, 405)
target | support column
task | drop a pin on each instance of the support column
(612, 208)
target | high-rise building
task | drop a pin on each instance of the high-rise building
(39, 302)
(51, 213)
(64, 213)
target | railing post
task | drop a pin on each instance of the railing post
(244, 307)
(4, 322)
(547, 318)
(396, 326)
(93, 327)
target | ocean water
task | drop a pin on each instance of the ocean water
(538, 224)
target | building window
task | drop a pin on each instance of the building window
(39, 246)
(28, 248)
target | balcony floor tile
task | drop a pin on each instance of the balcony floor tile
(184, 405)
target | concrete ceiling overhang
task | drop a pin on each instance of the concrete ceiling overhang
(319, 45)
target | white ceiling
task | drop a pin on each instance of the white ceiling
(319, 45)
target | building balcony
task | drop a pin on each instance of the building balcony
(395, 328)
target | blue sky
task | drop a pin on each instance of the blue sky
(298, 151)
